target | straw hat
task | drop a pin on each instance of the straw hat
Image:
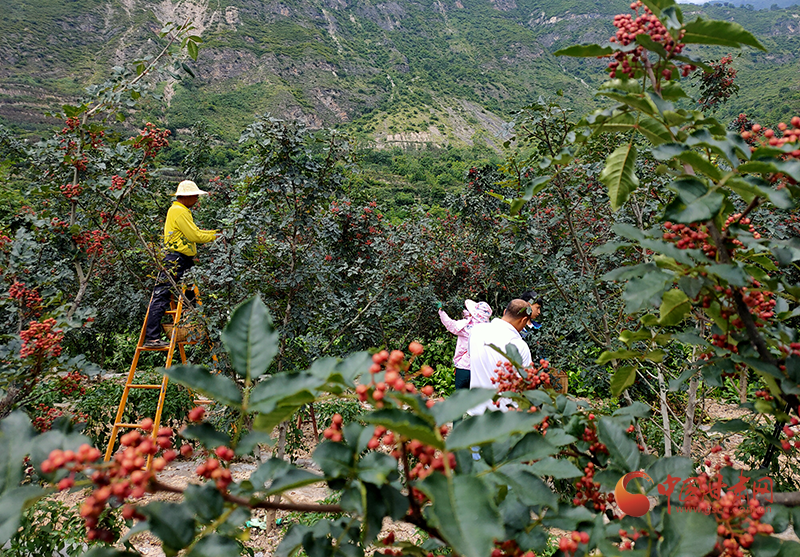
(187, 188)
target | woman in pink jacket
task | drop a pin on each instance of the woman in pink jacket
(476, 312)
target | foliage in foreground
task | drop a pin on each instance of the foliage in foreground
(707, 279)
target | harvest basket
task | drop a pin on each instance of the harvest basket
(187, 334)
(559, 381)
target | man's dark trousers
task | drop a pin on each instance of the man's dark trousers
(177, 264)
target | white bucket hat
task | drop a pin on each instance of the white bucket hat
(187, 188)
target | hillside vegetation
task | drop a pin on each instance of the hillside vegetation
(395, 73)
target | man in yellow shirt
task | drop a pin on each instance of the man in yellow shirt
(181, 237)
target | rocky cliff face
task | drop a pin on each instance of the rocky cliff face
(396, 72)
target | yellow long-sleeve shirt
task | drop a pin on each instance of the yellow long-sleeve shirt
(181, 233)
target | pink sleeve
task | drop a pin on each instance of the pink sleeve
(455, 327)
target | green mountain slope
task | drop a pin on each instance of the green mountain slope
(397, 73)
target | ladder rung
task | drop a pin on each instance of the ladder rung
(153, 348)
(128, 425)
(171, 311)
(145, 386)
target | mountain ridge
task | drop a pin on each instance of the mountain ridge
(400, 73)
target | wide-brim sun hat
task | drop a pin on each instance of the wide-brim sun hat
(187, 188)
(481, 311)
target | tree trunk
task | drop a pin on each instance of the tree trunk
(688, 425)
(662, 397)
(280, 452)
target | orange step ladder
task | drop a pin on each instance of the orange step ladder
(177, 340)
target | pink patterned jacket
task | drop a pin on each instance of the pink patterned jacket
(461, 329)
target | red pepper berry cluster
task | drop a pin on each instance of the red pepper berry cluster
(212, 468)
(738, 521)
(47, 415)
(394, 364)
(569, 544)
(690, 236)
(334, 432)
(72, 125)
(589, 491)
(81, 164)
(645, 23)
(510, 548)
(196, 414)
(763, 393)
(95, 138)
(27, 297)
(629, 539)
(40, 340)
(590, 436)
(508, 379)
(121, 479)
(71, 383)
(92, 241)
(117, 182)
(151, 139)
(789, 433)
(429, 460)
(71, 191)
(769, 136)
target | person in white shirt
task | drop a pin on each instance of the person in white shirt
(485, 360)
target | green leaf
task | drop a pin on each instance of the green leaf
(694, 202)
(657, 5)
(458, 403)
(536, 186)
(248, 443)
(208, 436)
(215, 545)
(648, 43)
(556, 468)
(490, 427)
(635, 410)
(609, 355)
(790, 168)
(291, 478)
(286, 390)
(205, 500)
(640, 292)
(529, 488)
(621, 448)
(688, 534)
(213, 385)
(623, 378)
(334, 459)
(655, 132)
(191, 48)
(406, 423)
(675, 305)
(675, 466)
(730, 426)
(585, 51)
(250, 338)
(729, 147)
(732, 274)
(724, 33)
(463, 510)
(377, 468)
(16, 434)
(12, 503)
(533, 446)
(619, 175)
(172, 523)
